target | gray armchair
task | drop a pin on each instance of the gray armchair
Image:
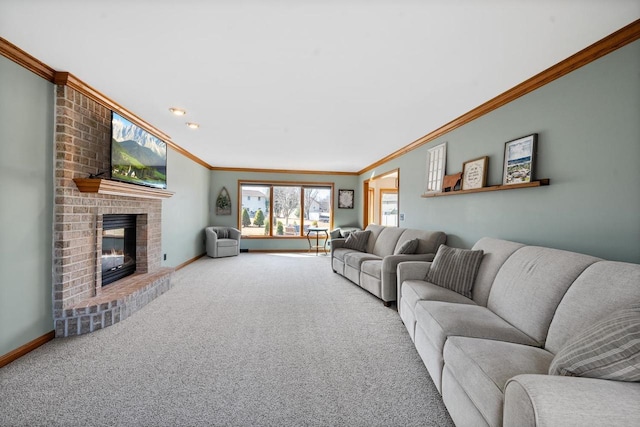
(222, 241)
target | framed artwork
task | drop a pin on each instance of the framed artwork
(474, 173)
(345, 199)
(519, 160)
(436, 163)
(223, 203)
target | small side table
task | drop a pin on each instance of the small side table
(317, 231)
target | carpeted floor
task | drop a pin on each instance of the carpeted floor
(254, 340)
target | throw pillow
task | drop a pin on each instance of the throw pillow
(609, 349)
(357, 240)
(408, 247)
(335, 234)
(455, 269)
(222, 233)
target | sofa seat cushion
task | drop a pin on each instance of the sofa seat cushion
(372, 267)
(440, 320)
(340, 253)
(355, 259)
(482, 368)
(227, 243)
(418, 290)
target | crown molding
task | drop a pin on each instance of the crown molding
(291, 171)
(612, 42)
(63, 78)
(20, 57)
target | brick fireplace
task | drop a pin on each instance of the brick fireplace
(82, 149)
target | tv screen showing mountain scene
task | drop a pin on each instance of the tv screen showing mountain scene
(137, 156)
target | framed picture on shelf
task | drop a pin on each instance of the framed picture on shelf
(345, 199)
(519, 160)
(474, 173)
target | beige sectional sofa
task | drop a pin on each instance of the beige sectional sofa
(490, 355)
(374, 268)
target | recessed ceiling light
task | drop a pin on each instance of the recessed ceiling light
(193, 125)
(178, 111)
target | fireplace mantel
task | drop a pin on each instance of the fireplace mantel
(117, 188)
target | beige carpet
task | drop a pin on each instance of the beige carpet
(254, 340)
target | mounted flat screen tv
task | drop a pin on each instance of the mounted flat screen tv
(137, 156)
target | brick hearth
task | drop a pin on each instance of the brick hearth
(82, 148)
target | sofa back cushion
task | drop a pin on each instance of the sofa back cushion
(530, 285)
(373, 237)
(428, 241)
(496, 252)
(601, 289)
(357, 240)
(387, 241)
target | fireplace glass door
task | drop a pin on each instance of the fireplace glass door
(118, 247)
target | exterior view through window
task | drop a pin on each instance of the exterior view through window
(283, 209)
(389, 208)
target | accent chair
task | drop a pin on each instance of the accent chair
(222, 241)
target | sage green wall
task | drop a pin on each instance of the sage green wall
(26, 210)
(186, 213)
(589, 146)
(229, 179)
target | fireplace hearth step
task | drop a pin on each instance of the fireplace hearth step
(115, 303)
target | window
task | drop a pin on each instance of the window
(284, 209)
(389, 208)
(436, 163)
(383, 201)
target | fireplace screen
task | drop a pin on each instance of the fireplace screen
(118, 247)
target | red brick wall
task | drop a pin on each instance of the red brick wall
(82, 148)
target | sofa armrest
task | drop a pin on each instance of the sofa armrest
(337, 243)
(234, 233)
(409, 270)
(211, 241)
(535, 400)
(412, 270)
(388, 273)
(390, 262)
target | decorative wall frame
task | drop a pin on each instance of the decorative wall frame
(436, 164)
(345, 199)
(519, 160)
(474, 173)
(223, 202)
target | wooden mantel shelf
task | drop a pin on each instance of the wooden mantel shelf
(117, 188)
(538, 183)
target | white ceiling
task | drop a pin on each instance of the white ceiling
(305, 84)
